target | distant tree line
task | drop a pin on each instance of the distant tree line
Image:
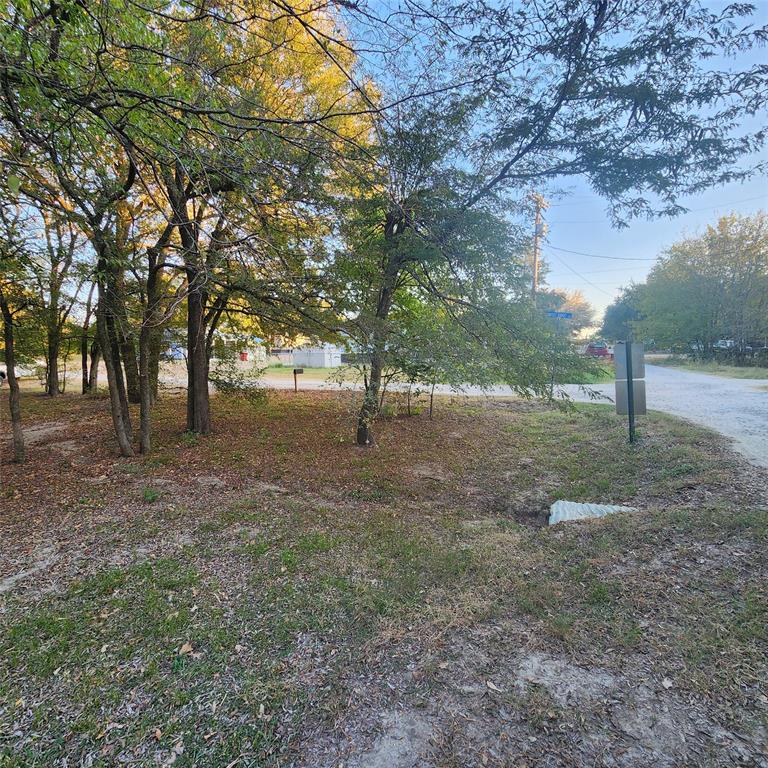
(706, 295)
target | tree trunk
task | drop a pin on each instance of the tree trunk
(198, 406)
(93, 374)
(52, 370)
(110, 350)
(155, 348)
(149, 331)
(14, 399)
(112, 353)
(84, 358)
(84, 341)
(130, 364)
(370, 407)
(145, 426)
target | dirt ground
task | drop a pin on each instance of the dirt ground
(271, 595)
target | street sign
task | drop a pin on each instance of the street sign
(562, 315)
(622, 404)
(638, 360)
(630, 387)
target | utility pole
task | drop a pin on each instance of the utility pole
(538, 232)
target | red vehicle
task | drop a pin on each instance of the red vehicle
(597, 349)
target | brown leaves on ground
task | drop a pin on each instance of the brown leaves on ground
(490, 641)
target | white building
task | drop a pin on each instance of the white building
(326, 356)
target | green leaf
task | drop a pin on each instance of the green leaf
(14, 184)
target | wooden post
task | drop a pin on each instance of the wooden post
(541, 205)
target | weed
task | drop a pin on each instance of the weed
(149, 495)
(190, 439)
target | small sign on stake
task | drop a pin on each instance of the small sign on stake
(296, 372)
(638, 397)
(630, 387)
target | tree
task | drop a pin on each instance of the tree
(621, 93)
(619, 317)
(89, 126)
(186, 142)
(13, 301)
(710, 287)
(412, 239)
(618, 93)
(53, 271)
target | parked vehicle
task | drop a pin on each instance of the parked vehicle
(597, 349)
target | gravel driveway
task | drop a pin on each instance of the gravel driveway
(737, 408)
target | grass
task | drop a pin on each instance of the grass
(221, 623)
(284, 373)
(164, 634)
(150, 495)
(714, 368)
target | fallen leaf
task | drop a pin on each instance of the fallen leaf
(185, 649)
(492, 686)
(667, 683)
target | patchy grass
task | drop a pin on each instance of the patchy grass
(282, 586)
(714, 368)
(150, 495)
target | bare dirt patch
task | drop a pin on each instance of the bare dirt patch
(38, 433)
(39, 560)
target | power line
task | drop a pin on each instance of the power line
(735, 202)
(586, 280)
(580, 201)
(590, 221)
(599, 256)
(606, 271)
(644, 258)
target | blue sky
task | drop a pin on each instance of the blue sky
(578, 222)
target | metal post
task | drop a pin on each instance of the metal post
(630, 392)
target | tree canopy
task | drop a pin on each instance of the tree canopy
(342, 171)
(703, 289)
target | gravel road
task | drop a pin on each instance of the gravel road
(737, 408)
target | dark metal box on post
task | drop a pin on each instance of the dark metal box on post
(629, 360)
